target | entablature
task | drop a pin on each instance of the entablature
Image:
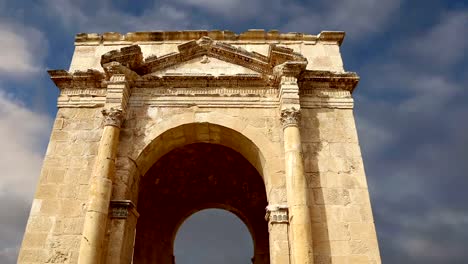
(261, 80)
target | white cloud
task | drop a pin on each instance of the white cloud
(22, 50)
(103, 16)
(22, 136)
(443, 45)
(357, 18)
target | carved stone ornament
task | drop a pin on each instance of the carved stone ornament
(290, 117)
(205, 60)
(277, 213)
(113, 117)
(122, 209)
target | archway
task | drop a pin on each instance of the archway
(213, 236)
(191, 178)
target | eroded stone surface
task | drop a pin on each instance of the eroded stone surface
(200, 113)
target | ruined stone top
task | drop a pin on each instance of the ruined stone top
(224, 35)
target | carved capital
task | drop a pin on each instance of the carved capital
(122, 209)
(290, 117)
(113, 117)
(277, 213)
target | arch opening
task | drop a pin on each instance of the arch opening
(213, 236)
(189, 179)
(178, 136)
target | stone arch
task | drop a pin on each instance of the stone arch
(208, 127)
(190, 178)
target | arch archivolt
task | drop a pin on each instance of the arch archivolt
(242, 133)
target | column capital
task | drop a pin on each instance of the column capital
(122, 209)
(113, 117)
(290, 117)
(277, 213)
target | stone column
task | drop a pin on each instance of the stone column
(100, 189)
(300, 226)
(297, 191)
(278, 225)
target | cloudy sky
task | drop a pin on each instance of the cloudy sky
(411, 104)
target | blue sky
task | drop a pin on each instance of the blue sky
(411, 105)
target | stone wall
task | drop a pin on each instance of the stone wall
(53, 231)
(343, 227)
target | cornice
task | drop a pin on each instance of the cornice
(311, 80)
(89, 79)
(252, 35)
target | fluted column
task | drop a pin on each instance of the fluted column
(100, 189)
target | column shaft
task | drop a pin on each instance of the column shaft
(99, 196)
(298, 197)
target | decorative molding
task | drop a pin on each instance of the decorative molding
(254, 35)
(81, 101)
(113, 117)
(204, 101)
(205, 47)
(290, 117)
(277, 213)
(130, 57)
(88, 79)
(288, 80)
(324, 93)
(317, 102)
(203, 81)
(312, 80)
(290, 69)
(83, 92)
(121, 209)
(204, 91)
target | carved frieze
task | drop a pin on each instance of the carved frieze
(280, 68)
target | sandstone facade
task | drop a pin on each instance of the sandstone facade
(277, 106)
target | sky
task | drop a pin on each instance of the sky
(411, 105)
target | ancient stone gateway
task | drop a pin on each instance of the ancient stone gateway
(154, 126)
